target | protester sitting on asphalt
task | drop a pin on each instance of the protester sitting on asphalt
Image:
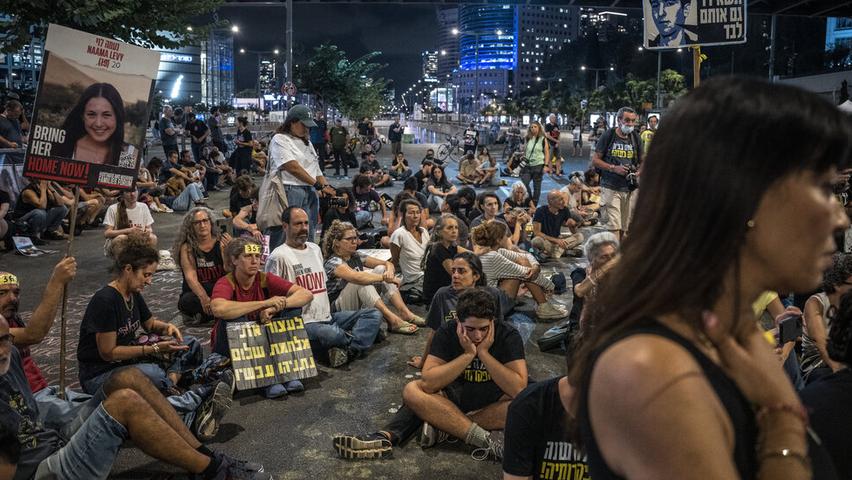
(125, 219)
(399, 167)
(149, 192)
(837, 281)
(118, 330)
(469, 170)
(547, 228)
(191, 192)
(199, 248)
(425, 172)
(32, 332)
(519, 198)
(827, 400)
(487, 168)
(40, 209)
(342, 335)
(538, 438)
(357, 281)
(259, 157)
(217, 161)
(241, 194)
(377, 175)
(507, 269)
(409, 190)
(88, 208)
(490, 204)
(247, 294)
(343, 209)
(475, 367)
(466, 273)
(408, 245)
(437, 188)
(438, 256)
(602, 251)
(84, 442)
(517, 220)
(367, 201)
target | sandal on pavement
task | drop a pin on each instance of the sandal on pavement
(404, 328)
(418, 320)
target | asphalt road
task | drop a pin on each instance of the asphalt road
(290, 436)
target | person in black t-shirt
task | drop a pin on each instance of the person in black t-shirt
(538, 438)
(547, 227)
(425, 172)
(344, 210)
(198, 133)
(367, 201)
(475, 367)
(438, 257)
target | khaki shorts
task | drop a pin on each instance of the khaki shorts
(617, 209)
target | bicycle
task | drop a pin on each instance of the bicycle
(360, 142)
(450, 149)
(513, 145)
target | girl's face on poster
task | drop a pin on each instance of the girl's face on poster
(99, 119)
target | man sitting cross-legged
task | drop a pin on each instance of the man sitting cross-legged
(127, 407)
(475, 367)
(344, 335)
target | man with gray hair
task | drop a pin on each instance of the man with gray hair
(168, 132)
(617, 156)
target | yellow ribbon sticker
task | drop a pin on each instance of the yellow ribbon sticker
(8, 279)
(252, 249)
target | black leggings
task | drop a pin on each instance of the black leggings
(535, 174)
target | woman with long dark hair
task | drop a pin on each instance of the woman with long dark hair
(438, 188)
(94, 129)
(731, 208)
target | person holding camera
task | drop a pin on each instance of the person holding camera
(340, 207)
(536, 156)
(618, 155)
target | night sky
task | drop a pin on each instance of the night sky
(400, 32)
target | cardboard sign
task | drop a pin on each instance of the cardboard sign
(91, 110)
(264, 355)
(681, 23)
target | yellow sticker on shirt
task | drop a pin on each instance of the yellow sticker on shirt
(252, 249)
(8, 279)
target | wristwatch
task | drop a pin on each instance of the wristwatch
(318, 186)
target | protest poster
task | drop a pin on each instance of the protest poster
(91, 110)
(277, 352)
(682, 23)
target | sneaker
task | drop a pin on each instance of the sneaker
(274, 391)
(574, 252)
(242, 464)
(337, 357)
(373, 445)
(294, 386)
(227, 377)
(214, 409)
(153, 208)
(547, 311)
(431, 436)
(231, 469)
(494, 449)
(167, 209)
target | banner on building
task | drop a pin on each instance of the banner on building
(91, 110)
(681, 23)
(263, 355)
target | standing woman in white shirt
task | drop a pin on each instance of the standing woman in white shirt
(292, 155)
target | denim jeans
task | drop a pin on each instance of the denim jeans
(535, 174)
(40, 220)
(305, 197)
(94, 440)
(187, 198)
(356, 329)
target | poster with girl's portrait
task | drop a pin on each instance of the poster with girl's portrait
(91, 110)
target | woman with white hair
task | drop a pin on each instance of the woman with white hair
(602, 251)
(519, 198)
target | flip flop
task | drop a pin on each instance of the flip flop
(418, 320)
(404, 328)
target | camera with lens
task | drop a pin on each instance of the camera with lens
(341, 202)
(632, 177)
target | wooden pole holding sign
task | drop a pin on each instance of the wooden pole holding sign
(63, 324)
(696, 66)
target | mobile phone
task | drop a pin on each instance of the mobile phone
(789, 328)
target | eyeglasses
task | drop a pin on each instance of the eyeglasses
(7, 339)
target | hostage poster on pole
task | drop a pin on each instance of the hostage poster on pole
(91, 110)
(682, 23)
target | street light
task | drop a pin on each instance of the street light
(597, 72)
(258, 54)
(235, 28)
(659, 66)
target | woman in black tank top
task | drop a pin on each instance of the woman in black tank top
(198, 250)
(674, 378)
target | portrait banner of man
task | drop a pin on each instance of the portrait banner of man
(91, 110)
(682, 23)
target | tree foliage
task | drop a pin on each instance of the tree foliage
(352, 86)
(142, 23)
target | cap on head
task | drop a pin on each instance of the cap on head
(302, 114)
